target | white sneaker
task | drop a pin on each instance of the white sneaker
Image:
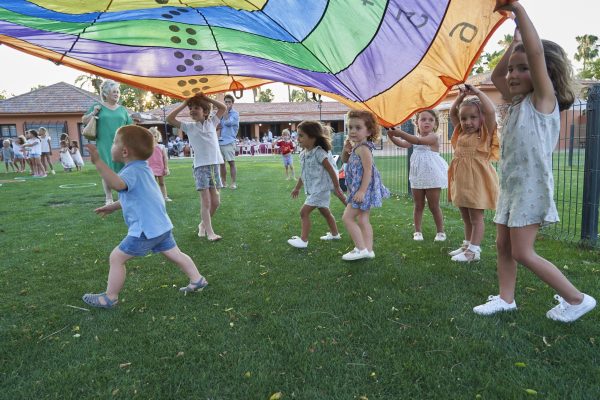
(440, 237)
(461, 249)
(356, 254)
(467, 256)
(297, 242)
(53, 172)
(329, 236)
(167, 199)
(418, 236)
(494, 304)
(565, 312)
(371, 254)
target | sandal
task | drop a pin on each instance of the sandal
(195, 286)
(94, 300)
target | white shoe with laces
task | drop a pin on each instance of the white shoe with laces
(565, 312)
(494, 305)
(461, 249)
(297, 242)
(329, 236)
(356, 254)
(418, 236)
(440, 237)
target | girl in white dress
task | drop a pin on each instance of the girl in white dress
(537, 76)
(65, 156)
(428, 170)
(76, 155)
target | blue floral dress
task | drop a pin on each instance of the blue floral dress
(376, 192)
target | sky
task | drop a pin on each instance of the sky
(555, 20)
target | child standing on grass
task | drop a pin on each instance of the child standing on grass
(65, 157)
(286, 147)
(202, 134)
(34, 145)
(8, 155)
(472, 180)
(149, 226)
(46, 150)
(159, 162)
(365, 189)
(19, 153)
(537, 76)
(76, 155)
(318, 177)
(428, 170)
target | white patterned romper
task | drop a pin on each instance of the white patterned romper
(428, 170)
(525, 169)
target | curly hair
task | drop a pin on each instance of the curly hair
(316, 130)
(560, 72)
(107, 87)
(370, 122)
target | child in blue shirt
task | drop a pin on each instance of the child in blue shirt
(143, 210)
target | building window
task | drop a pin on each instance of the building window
(54, 128)
(8, 131)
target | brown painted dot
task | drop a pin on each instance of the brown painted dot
(192, 81)
(173, 28)
(181, 83)
(196, 56)
(198, 68)
(178, 54)
(188, 62)
(181, 68)
(190, 31)
(168, 16)
(192, 41)
(175, 39)
(205, 87)
(195, 90)
(174, 12)
(186, 93)
(203, 80)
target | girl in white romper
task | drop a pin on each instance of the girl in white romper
(76, 155)
(428, 170)
(65, 156)
(537, 76)
(318, 177)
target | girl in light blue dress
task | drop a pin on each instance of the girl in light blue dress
(365, 189)
(536, 75)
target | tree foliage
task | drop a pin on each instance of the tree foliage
(299, 96)
(587, 53)
(5, 95)
(266, 96)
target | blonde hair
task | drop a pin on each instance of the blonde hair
(138, 140)
(433, 113)
(314, 129)
(156, 135)
(285, 132)
(370, 122)
(559, 70)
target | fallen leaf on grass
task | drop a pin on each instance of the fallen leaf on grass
(531, 392)
(180, 354)
(276, 396)
(247, 374)
(125, 365)
(545, 341)
(520, 364)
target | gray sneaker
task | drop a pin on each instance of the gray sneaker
(565, 312)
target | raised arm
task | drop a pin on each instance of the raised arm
(221, 107)
(112, 180)
(87, 117)
(454, 118)
(408, 140)
(499, 73)
(543, 97)
(171, 117)
(488, 108)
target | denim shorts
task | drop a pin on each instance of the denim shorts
(207, 176)
(139, 247)
(35, 155)
(287, 159)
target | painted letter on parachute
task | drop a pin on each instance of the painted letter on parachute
(392, 57)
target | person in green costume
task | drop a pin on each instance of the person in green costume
(110, 117)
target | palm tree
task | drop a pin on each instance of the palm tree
(587, 49)
(94, 80)
(506, 41)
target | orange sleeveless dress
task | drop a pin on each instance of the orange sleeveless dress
(472, 180)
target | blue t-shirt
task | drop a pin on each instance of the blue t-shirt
(229, 127)
(143, 205)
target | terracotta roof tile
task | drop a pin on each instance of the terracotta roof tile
(60, 98)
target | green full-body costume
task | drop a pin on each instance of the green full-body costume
(106, 127)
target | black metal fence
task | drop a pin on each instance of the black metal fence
(576, 167)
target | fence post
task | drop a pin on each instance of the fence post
(591, 172)
(571, 142)
(408, 127)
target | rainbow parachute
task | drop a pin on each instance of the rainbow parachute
(392, 57)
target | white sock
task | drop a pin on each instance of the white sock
(474, 248)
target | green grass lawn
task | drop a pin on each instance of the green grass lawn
(273, 318)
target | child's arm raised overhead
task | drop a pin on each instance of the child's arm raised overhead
(454, 118)
(543, 97)
(366, 159)
(499, 73)
(171, 117)
(221, 107)
(112, 180)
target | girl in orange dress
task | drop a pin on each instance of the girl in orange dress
(472, 180)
